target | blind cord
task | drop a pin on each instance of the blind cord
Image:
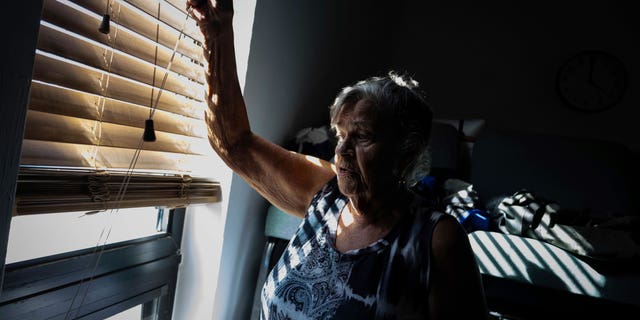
(99, 247)
(149, 132)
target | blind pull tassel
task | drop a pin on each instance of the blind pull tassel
(104, 25)
(149, 132)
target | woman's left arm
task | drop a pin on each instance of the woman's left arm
(456, 285)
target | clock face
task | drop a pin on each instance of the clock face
(592, 81)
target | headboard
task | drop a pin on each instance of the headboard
(575, 173)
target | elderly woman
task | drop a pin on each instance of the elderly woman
(368, 248)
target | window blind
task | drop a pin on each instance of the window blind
(90, 96)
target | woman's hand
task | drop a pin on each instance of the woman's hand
(226, 113)
(213, 17)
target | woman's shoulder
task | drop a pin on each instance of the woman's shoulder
(425, 225)
(423, 211)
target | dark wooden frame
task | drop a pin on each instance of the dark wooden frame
(16, 70)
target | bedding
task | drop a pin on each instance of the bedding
(547, 196)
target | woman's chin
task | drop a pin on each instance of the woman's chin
(347, 185)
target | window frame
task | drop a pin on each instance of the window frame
(133, 272)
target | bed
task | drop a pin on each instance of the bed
(529, 278)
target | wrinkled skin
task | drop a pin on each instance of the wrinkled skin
(365, 158)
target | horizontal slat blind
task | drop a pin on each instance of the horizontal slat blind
(136, 24)
(47, 126)
(92, 92)
(58, 42)
(54, 191)
(59, 100)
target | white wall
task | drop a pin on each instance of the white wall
(199, 276)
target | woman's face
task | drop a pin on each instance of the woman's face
(365, 154)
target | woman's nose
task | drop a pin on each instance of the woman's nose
(344, 147)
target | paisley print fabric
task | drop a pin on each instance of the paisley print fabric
(388, 279)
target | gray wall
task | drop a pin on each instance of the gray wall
(302, 53)
(498, 60)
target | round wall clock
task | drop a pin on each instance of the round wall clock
(591, 81)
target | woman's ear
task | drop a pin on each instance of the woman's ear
(416, 166)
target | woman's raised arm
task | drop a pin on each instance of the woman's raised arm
(287, 179)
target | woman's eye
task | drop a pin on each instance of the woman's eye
(363, 137)
(355, 136)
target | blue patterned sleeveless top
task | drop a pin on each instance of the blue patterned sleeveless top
(388, 279)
